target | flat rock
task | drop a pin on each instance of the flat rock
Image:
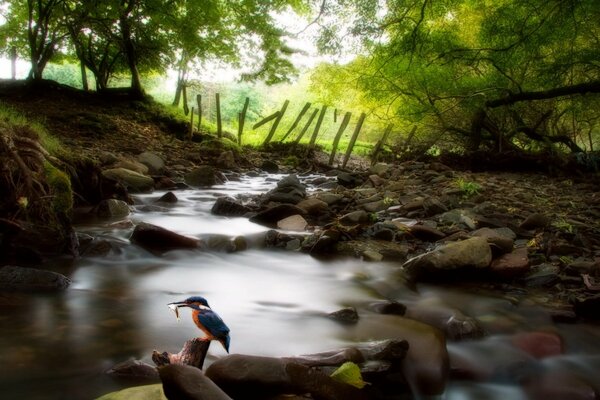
(31, 279)
(511, 265)
(292, 223)
(330, 198)
(534, 221)
(133, 181)
(499, 238)
(272, 215)
(153, 161)
(470, 253)
(426, 233)
(354, 218)
(313, 206)
(134, 369)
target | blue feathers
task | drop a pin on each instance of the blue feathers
(207, 320)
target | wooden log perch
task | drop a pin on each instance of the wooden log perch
(192, 353)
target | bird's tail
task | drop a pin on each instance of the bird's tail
(225, 342)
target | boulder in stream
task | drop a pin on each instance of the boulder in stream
(157, 239)
(31, 279)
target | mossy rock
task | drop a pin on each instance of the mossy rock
(60, 186)
(217, 146)
(146, 392)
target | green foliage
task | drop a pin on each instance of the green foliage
(438, 64)
(467, 188)
(349, 373)
(17, 121)
(146, 392)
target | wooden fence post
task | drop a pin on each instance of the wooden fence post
(303, 131)
(313, 138)
(298, 118)
(13, 63)
(380, 144)
(242, 120)
(338, 135)
(186, 108)
(276, 123)
(191, 134)
(199, 101)
(359, 124)
(219, 124)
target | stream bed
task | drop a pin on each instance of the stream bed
(59, 346)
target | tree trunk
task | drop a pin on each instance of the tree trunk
(129, 48)
(13, 63)
(84, 81)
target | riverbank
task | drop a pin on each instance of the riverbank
(399, 231)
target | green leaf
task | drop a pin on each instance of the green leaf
(349, 373)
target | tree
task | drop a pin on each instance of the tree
(500, 74)
(36, 28)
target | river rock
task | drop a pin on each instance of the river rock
(229, 207)
(133, 181)
(313, 206)
(292, 223)
(451, 321)
(168, 197)
(470, 253)
(153, 161)
(426, 233)
(289, 190)
(389, 307)
(31, 279)
(132, 166)
(251, 377)
(501, 241)
(347, 315)
(355, 218)
(226, 160)
(269, 166)
(134, 369)
(535, 221)
(187, 382)
(157, 239)
(539, 344)
(271, 216)
(330, 198)
(559, 385)
(433, 206)
(349, 180)
(511, 265)
(112, 208)
(204, 176)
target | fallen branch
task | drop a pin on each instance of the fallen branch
(192, 353)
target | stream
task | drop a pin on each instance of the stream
(58, 346)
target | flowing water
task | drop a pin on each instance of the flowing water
(58, 346)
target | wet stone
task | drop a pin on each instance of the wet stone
(345, 315)
(168, 197)
(534, 221)
(227, 206)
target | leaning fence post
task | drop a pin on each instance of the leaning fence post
(219, 125)
(199, 101)
(380, 143)
(359, 124)
(338, 135)
(242, 120)
(313, 139)
(276, 123)
(191, 133)
(303, 131)
(298, 118)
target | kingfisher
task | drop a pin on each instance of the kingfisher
(205, 319)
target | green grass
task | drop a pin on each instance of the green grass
(17, 121)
